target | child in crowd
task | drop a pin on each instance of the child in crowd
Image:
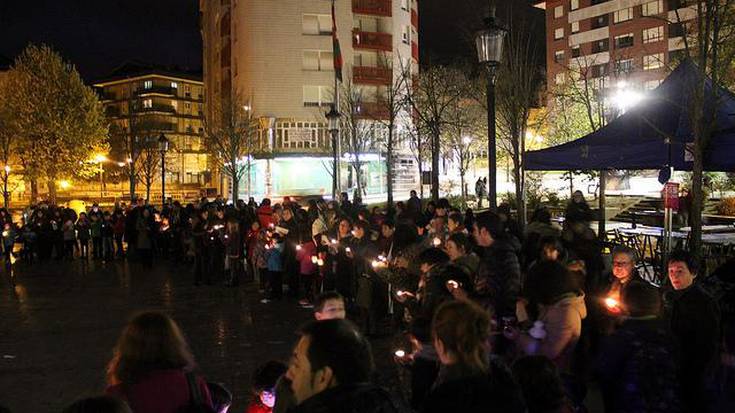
(264, 383)
(96, 230)
(70, 239)
(274, 257)
(307, 257)
(28, 238)
(83, 234)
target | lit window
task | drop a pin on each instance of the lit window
(174, 85)
(559, 78)
(654, 34)
(574, 5)
(317, 24)
(652, 84)
(623, 15)
(558, 11)
(559, 56)
(148, 84)
(653, 61)
(559, 33)
(317, 95)
(318, 60)
(148, 103)
(174, 104)
(624, 66)
(623, 41)
(652, 8)
(575, 27)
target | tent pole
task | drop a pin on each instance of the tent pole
(602, 217)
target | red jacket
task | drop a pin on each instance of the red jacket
(265, 216)
(162, 391)
(303, 255)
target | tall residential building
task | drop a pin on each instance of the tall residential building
(613, 41)
(277, 56)
(147, 101)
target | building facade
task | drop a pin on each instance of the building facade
(141, 103)
(277, 56)
(613, 42)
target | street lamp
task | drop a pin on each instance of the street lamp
(333, 120)
(99, 159)
(489, 43)
(163, 147)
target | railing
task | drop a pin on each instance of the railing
(157, 108)
(373, 7)
(373, 110)
(372, 40)
(372, 75)
(162, 90)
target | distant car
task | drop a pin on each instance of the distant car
(77, 205)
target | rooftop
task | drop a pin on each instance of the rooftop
(135, 69)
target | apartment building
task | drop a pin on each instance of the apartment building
(146, 101)
(277, 57)
(613, 42)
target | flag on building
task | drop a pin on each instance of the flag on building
(335, 47)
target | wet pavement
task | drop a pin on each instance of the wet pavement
(59, 322)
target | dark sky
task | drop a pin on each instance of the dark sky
(99, 35)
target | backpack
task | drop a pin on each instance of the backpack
(196, 404)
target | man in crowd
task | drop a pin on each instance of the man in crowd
(330, 370)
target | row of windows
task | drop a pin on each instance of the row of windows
(621, 66)
(651, 35)
(650, 8)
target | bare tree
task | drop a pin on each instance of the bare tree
(149, 167)
(359, 132)
(229, 136)
(460, 139)
(431, 99)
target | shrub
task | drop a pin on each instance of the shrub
(726, 206)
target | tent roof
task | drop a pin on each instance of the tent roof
(638, 139)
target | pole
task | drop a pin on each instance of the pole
(601, 200)
(335, 165)
(102, 187)
(492, 177)
(6, 196)
(163, 179)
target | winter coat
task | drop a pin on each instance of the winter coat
(457, 391)
(83, 230)
(303, 255)
(69, 233)
(636, 368)
(233, 246)
(265, 216)
(162, 391)
(349, 398)
(563, 324)
(694, 319)
(274, 257)
(498, 280)
(96, 227)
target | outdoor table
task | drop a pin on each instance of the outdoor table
(648, 233)
(711, 229)
(722, 238)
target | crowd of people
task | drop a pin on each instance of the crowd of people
(498, 317)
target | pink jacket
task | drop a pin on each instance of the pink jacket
(162, 391)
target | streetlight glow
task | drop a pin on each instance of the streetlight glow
(64, 184)
(99, 158)
(7, 169)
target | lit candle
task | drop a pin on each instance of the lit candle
(334, 241)
(298, 247)
(400, 353)
(320, 262)
(348, 249)
(314, 259)
(437, 242)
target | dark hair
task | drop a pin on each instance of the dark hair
(98, 404)
(388, 223)
(457, 217)
(324, 297)
(443, 203)
(267, 374)
(552, 241)
(464, 327)
(461, 240)
(551, 280)
(151, 341)
(362, 224)
(541, 214)
(339, 345)
(540, 384)
(624, 249)
(685, 257)
(491, 222)
(641, 299)
(433, 256)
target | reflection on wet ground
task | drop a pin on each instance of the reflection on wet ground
(59, 322)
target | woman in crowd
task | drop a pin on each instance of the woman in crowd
(469, 380)
(151, 366)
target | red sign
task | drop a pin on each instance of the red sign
(671, 195)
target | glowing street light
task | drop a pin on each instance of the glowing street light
(625, 97)
(99, 158)
(64, 184)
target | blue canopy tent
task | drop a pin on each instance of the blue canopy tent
(652, 135)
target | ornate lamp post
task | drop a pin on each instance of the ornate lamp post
(6, 194)
(163, 147)
(489, 43)
(333, 120)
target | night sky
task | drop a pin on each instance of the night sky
(99, 35)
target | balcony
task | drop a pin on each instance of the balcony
(373, 110)
(414, 18)
(372, 40)
(372, 7)
(160, 90)
(415, 51)
(157, 108)
(372, 75)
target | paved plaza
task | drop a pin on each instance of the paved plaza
(59, 322)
